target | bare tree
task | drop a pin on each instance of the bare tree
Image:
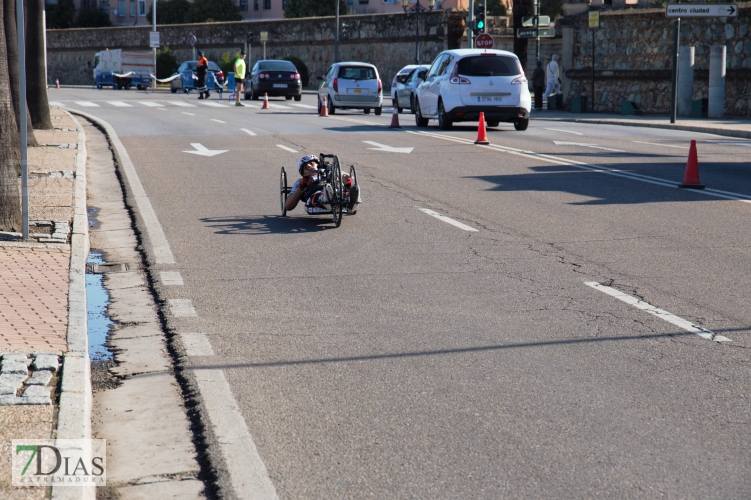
(36, 72)
(10, 202)
(11, 37)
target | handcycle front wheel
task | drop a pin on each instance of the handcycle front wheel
(336, 182)
(283, 191)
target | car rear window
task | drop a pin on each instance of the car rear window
(277, 66)
(489, 66)
(357, 73)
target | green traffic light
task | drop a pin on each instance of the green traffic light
(480, 24)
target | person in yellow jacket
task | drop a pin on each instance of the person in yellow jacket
(240, 68)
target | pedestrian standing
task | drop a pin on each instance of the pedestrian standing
(239, 76)
(554, 77)
(538, 84)
(201, 71)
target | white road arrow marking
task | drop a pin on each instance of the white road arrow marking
(387, 149)
(203, 151)
(584, 145)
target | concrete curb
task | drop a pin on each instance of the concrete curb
(74, 411)
(742, 134)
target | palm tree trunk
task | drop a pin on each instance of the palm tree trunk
(10, 158)
(36, 72)
(11, 37)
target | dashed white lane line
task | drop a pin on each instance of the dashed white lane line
(120, 104)
(181, 104)
(87, 104)
(182, 308)
(566, 131)
(171, 278)
(196, 344)
(249, 132)
(661, 145)
(151, 104)
(286, 148)
(214, 104)
(660, 313)
(189, 114)
(447, 220)
(218, 121)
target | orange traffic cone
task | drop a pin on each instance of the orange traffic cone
(265, 101)
(395, 119)
(691, 179)
(57, 83)
(324, 108)
(482, 136)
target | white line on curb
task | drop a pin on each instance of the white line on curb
(249, 132)
(246, 468)
(171, 278)
(660, 313)
(196, 344)
(286, 148)
(182, 308)
(447, 219)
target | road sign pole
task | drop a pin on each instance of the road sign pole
(153, 11)
(24, 120)
(470, 25)
(336, 34)
(537, 25)
(674, 78)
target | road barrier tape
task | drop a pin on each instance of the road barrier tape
(165, 80)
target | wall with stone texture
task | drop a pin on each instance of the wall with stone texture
(633, 59)
(386, 40)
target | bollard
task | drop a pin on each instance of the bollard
(717, 82)
(685, 80)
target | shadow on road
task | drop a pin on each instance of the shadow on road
(269, 224)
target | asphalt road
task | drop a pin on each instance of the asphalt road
(400, 356)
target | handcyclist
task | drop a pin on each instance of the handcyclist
(314, 191)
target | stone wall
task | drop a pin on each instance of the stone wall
(633, 59)
(386, 40)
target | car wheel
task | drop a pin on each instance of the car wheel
(287, 97)
(253, 94)
(399, 109)
(444, 122)
(366, 111)
(419, 120)
(379, 110)
(412, 103)
(330, 105)
(298, 98)
(493, 123)
(521, 124)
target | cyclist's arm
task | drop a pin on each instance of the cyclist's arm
(295, 195)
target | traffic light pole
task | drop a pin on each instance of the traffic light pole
(417, 32)
(485, 15)
(336, 34)
(537, 25)
(470, 25)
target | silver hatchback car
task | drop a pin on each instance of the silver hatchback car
(351, 85)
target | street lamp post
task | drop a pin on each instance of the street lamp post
(418, 7)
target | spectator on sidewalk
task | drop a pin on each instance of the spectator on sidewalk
(239, 76)
(538, 84)
(554, 77)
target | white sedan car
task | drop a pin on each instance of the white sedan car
(462, 83)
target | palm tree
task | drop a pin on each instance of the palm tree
(36, 72)
(11, 36)
(10, 203)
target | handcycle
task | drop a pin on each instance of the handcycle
(331, 173)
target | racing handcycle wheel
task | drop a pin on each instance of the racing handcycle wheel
(283, 190)
(337, 204)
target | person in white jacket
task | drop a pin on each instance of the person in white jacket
(554, 77)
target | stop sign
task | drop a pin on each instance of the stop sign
(484, 41)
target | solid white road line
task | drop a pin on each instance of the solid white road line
(87, 104)
(218, 121)
(248, 474)
(566, 131)
(181, 104)
(156, 236)
(308, 106)
(151, 104)
(730, 143)
(189, 114)
(249, 132)
(196, 344)
(286, 148)
(448, 220)
(182, 308)
(660, 313)
(120, 104)
(171, 278)
(662, 145)
(587, 166)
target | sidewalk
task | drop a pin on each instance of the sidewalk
(730, 127)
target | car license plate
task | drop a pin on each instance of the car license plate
(280, 85)
(489, 99)
(357, 91)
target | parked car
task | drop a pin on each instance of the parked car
(274, 77)
(462, 83)
(351, 85)
(401, 77)
(404, 91)
(186, 82)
